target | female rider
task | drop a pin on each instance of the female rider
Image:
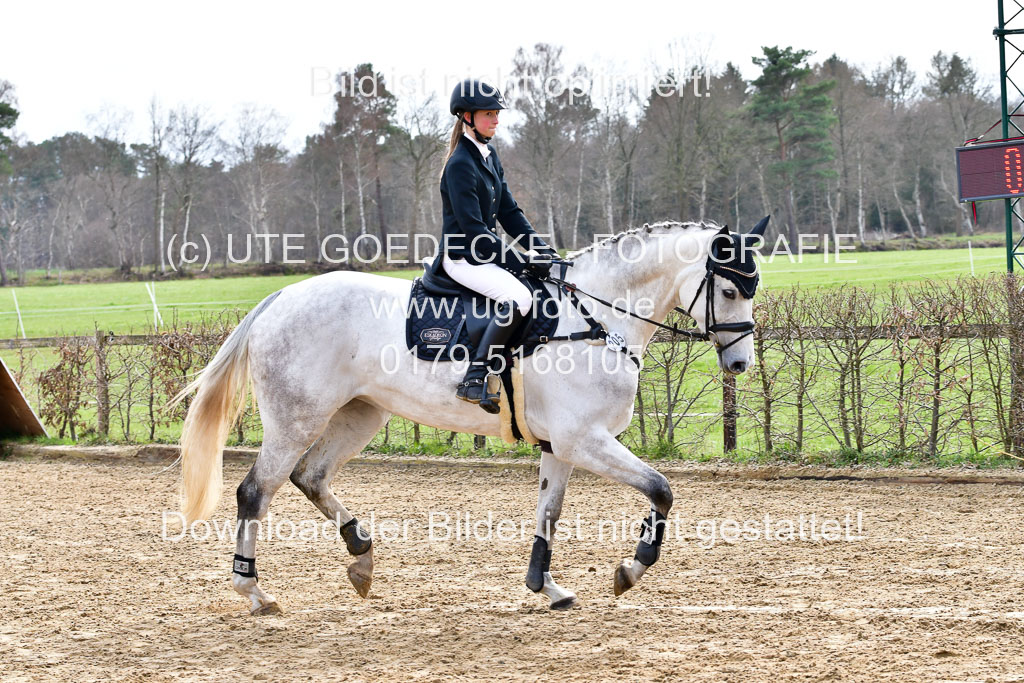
(474, 196)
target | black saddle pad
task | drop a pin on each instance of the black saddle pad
(444, 328)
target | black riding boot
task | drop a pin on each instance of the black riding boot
(473, 387)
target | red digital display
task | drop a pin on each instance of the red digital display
(992, 171)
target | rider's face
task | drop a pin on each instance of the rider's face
(486, 122)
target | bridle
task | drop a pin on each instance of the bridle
(710, 332)
(707, 284)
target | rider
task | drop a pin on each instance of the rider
(474, 196)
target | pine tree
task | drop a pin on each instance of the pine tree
(797, 115)
(8, 117)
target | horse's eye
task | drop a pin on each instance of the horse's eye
(729, 293)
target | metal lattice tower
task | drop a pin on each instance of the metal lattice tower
(1010, 33)
(1010, 27)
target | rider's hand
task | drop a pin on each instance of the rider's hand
(545, 250)
(538, 266)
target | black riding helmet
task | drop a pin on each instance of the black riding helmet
(472, 95)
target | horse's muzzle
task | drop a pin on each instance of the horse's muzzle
(737, 367)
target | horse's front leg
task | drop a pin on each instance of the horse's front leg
(602, 454)
(554, 475)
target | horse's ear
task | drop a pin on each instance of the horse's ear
(760, 227)
(724, 230)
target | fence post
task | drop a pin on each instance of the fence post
(479, 441)
(102, 384)
(728, 412)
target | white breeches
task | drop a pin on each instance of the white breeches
(491, 280)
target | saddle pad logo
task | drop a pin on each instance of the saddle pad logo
(436, 335)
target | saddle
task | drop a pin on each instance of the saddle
(445, 321)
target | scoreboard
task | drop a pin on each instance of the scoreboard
(991, 171)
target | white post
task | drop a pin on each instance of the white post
(970, 254)
(21, 325)
(157, 318)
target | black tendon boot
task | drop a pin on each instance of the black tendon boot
(473, 387)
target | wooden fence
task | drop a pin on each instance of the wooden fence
(927, 369)
(729, 402)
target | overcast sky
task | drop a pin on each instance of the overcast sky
(70, 60)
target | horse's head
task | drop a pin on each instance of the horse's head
(722, 305)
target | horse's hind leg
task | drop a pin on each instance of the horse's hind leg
(554, 475)
(283, 445)
(349, 430)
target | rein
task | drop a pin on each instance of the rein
(596, 331)
(571, 289)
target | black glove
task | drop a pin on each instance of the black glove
(538, 267)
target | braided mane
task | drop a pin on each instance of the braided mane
(642, 231)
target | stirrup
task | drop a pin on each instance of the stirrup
(489, 401)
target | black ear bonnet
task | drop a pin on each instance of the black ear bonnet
(733, 256)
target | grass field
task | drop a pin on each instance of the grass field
(125, 307)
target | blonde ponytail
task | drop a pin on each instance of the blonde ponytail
(456, 134)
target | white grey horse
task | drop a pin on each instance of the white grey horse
(328, 365)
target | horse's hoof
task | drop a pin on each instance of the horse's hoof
(560, 598)
(267, 610)
(564, 603)
(623, 579)
(360, 579)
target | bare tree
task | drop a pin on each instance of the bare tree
(315, 171)
(256, 155)
(191, 138)
(156, 156)
(114, 174)
(550, 102)
(423, 140)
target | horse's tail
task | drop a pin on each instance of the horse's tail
(223, 386)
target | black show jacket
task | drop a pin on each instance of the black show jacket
(474, 197)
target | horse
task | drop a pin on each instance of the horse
(328, 366)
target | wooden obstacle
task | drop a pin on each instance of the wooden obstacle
(16, 416)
